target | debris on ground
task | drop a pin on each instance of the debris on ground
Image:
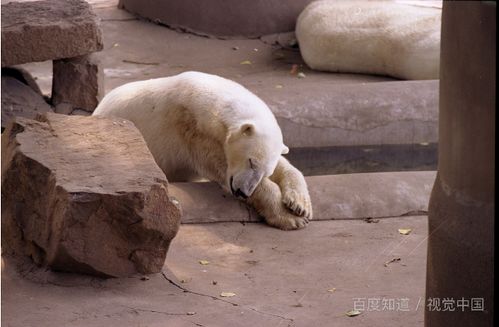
(405, 231)
(353, 313)
(371, 220)
(204, 262)
(391, 261)
(227, 294)
(301, 75)
(245, 62)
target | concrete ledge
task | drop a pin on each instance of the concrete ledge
(400, 112)
(48, 30)
(236, 19)
(354, 196)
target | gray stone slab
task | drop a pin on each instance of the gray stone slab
(349, 196)
(401, 112)
(48, 30)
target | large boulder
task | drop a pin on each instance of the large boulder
(83, 194)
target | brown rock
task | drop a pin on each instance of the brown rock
(48, 30)
(19, 99)
(77, 84)
(83, 194)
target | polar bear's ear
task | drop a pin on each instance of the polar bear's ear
(247, 129)
(285, 149)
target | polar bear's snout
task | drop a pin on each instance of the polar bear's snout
(243, 184)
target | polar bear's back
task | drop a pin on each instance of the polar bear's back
(207, 97)
(371, 37)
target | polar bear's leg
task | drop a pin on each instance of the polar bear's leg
(293, 187)
(268, 202)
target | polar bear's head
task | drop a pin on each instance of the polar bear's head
(251, 154)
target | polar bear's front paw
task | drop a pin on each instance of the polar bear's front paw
(298, 203)
(288, 221)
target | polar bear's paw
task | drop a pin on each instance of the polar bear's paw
(298, 202)
(288, 221)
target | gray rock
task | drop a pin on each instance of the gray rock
(20, 100)
(48, 30)
(83, 194)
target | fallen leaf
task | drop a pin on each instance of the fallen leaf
(332, 290)
(245, 62)
(204, 262)
(227, 294)
(405, 231)
(353, 313)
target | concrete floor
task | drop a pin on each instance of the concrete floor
(279, 278)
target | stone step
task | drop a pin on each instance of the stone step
(349, 196)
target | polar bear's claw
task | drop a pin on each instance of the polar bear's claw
(299, 204)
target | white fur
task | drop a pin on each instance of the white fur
(204, 126)
(371, 37)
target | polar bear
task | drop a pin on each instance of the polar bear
(198, 125)
(395, 38)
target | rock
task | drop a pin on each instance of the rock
(48, 30)
(19, 99)
(23, 76)
(77, 83)
(83, 194)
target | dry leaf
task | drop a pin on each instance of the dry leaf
(405, 231)
(227, 294)
(204, 262)
(353, 313)
(332, 290)
(245, 62)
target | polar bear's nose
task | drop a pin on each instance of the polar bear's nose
(237, 192)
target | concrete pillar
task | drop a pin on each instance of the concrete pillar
(461, 211)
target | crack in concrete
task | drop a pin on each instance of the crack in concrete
(290, 320)
(160, 312)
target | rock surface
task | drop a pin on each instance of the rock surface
(48, 30)
(83, 194)
(19, 99)
(77, 84)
